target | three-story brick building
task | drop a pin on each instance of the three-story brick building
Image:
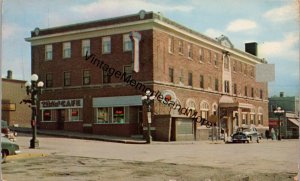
(198, 72)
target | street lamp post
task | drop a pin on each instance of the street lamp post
(279, 112)
(34, 88)
(148, 99)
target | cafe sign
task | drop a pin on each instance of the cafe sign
(61, 104)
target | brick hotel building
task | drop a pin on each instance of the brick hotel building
(198, 72)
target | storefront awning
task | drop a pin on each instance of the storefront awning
(228, 102)
(117, 101)
(294, 121)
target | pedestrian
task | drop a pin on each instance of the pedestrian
(267, 134)
(273, 134)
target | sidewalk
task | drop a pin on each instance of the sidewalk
(77, 135)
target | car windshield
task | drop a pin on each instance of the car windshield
(247, 130)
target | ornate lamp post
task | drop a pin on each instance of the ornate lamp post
(33, 88)
(147, 100)
(279, 112)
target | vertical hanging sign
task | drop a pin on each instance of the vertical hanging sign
(135, 37)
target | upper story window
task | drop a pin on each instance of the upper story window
(261, 94)
(48, 52)
(234, 88)
(127, 43)
(216, 84)
(181, 77)
(106, 77)
(202, 81)
(216, 59)
(234, 65)
(106, 45)
(128, 70)
(49, 80)
(246, 91)
(252, 92)
(226, 62)
(86, 77)
(171, 75)
(190, 77)
(190, 51)
(245, 69)
(201, 54)
(209, 56)
(171, 45)
(86, 48)
(226, 86)
(252, 71)
(67, 50)
(180, 46)
(67, 78)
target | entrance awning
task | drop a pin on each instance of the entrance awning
(117, 101)
(228, 102)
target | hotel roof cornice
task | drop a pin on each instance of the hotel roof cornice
(150, 18)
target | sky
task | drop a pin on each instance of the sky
(273, 24)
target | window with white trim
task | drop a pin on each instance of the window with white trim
(190, 51)
(67, 50)
(171, 44)
(180, 46)
(201, 54)
(86, 47)
(106, 45)
(48, 52)
(127, 43)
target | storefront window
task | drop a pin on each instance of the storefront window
(47, 115)
(118, 115)
(74, 114)
(102, 115)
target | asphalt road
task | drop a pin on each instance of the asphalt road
(73, 159)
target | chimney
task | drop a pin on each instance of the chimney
(9, 74)
(281, 94)
(251, 48)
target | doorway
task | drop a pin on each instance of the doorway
(60, 119)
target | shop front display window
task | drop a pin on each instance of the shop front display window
(74, 114)
(119, 115)
(102, 115)
(47, 115)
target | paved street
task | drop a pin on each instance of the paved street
(73, 159)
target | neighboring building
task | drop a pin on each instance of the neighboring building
(13, 92)
(200, 73)
(290, 120)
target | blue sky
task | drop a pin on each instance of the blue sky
(273, 24)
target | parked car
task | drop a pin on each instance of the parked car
(240, 137)
(252, 134)
(8, 148)
(7, 132)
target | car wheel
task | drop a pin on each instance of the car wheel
(257, 140)
(247, 141)
(250, 138)
(4, 155)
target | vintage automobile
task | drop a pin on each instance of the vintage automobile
(8, 148)
(240, 137)
(252, 134)
(7, 132)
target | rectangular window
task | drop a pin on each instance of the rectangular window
(75, 114)
(209, 56)
(49, 80)
(128, 70)
(118, 115)
(226, 86)
(252, 71)
(216, 85)
(67, 50)
(106, 45)
(252, 92)
(245, 69)
(86, 77)
(190, 51)
(67, 78)
(181, 77)
(241, 67)
(234, 65)
(106, 77)
(202, 81)
(85, 47)
(103, 115)
(246, 91)
(127, 43)
(190, 79)
(48, 52)
(226, 62)
(180, 47)
(260, 93)
(216, 59)
(234, 88)
(171, 75)
(48, 115)
(171, 45)
(201, 55)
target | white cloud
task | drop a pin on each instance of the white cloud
(110, 8)
(241, 25)
(287, 47)
(213, 33)
(284, 13)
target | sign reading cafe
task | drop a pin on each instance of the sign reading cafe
(61, 104)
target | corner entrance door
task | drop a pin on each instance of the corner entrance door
(60, 119)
